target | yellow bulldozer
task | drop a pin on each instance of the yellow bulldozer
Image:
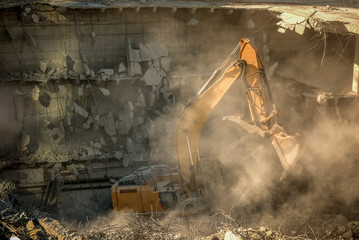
(159, 188)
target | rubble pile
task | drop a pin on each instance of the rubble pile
(140, 227)
(137, 227)
(16, 221)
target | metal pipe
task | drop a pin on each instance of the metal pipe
(185, 130)
(219, 70)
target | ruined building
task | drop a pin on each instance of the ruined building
(90, 90)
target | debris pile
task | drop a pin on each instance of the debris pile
(142, 227)
(16, 221)
(137, 227)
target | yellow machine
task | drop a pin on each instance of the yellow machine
(154, 191)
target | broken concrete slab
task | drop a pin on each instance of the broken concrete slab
(109, 124)
(25, 140)
(43, 67)
(118, 155)
(136, 56)
(35, 18)
(102, 141)
(141, 99)
(87, 69)
(86, 125)
(104, 91)
(144, 52)
(97, 145)
(165, 63)
(136, 69)
(104, 76)
(35, 93)
(122, 68)
(80, 91)
(152, 77)
(78, 109)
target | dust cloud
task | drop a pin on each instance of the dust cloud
(325, 179)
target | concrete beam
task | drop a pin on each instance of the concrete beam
(355, 85)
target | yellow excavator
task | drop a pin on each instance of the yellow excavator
(159, 188)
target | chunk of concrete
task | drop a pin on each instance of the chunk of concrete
(109, 124)
(124, 122)
(35, 18)
(122, 68)
(35, 93)
(136, 69)
(104, 91)
(108, 72)
(43, 67)
(78, 109)
(152, 77)
(136, 56)
(300, 28)
(27, 9)
(165, 63)
(82, 77)
(87, 69)
(118, 155)
(80, 91)
(251, 24)
(145, 52)
(25, 140)
(102, 141)
(104, 76)
(141, 99)
(86, 125)
(151, 98)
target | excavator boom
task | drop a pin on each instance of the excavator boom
(158, 188)
(249, 68)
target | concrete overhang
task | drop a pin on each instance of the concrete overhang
(330, 16)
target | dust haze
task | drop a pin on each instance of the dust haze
(324, 180)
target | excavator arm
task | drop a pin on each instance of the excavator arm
(249, 69)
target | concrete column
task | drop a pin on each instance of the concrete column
(355, 85)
